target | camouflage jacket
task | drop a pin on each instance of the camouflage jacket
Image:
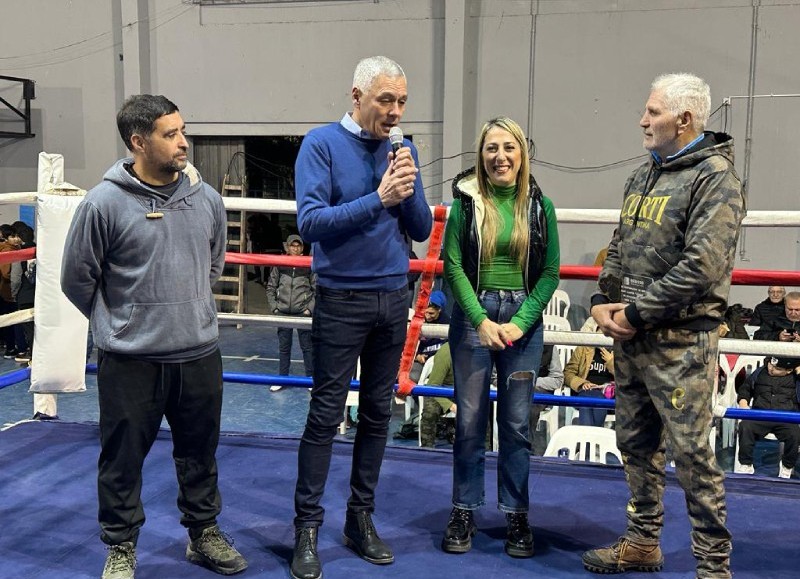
(673, 252)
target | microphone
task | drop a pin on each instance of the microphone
(396, 139)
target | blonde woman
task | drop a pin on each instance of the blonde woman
(501, 259)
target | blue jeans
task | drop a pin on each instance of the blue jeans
(516, 367)
(591, 416)
(347, 325)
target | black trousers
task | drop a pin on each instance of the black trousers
(750, 431)
(134, 396)
(348, 325)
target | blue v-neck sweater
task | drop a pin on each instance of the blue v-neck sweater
(357, 243)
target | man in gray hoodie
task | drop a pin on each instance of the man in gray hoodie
(143, 250)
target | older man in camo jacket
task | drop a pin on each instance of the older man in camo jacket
(661, 295)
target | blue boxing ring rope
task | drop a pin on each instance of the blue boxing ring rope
(16, 376)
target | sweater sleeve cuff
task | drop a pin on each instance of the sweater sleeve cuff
(373, 202)
(598, 299)
(632, 313)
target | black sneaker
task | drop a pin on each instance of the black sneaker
(121, 562)
(8, 354)
(519, 539)
(215, 550)
(458, 534)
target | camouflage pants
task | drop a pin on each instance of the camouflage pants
(664, 384)
(432, 411)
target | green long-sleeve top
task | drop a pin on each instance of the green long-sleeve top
(503, 272)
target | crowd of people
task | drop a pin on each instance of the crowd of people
(661, 295)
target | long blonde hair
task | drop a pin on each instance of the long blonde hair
(493, 222)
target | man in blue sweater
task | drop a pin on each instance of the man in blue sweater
(357, 203)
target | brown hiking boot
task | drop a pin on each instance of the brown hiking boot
(624, 555)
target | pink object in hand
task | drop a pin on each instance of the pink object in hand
(609, 390)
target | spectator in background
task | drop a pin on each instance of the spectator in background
(786, 326)
(773, 386)
(590, 373)
(290, 292)
(436, 407)
(770, 309)
(549, 379)
(435, 313)
(23, 288)
(428, 346)
(11, 242)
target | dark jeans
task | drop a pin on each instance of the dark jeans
(348, 325)
(285, 350)
(751, 431)
(134, 396)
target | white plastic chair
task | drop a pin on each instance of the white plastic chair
(585, 443)
(559, 301)
(565, 353)
(556, 323)
(550, 415)
(748, 362)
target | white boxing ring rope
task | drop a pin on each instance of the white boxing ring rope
(578, 216)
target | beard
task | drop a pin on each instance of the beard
(173, 166)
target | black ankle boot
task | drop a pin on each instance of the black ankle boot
(519, 539)
(305, 561)
(360, 535)
(460, 529)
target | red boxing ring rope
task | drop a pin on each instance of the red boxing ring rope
(430, 265)
(585, 272)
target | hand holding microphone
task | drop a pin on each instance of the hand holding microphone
(398, 181)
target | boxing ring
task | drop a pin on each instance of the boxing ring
(48, 477)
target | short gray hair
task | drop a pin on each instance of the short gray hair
(368, 69)
(683, 91)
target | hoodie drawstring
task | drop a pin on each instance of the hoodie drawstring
(153, 214)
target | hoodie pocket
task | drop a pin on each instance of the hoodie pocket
(170, 327)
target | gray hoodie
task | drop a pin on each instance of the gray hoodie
(145, 282)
